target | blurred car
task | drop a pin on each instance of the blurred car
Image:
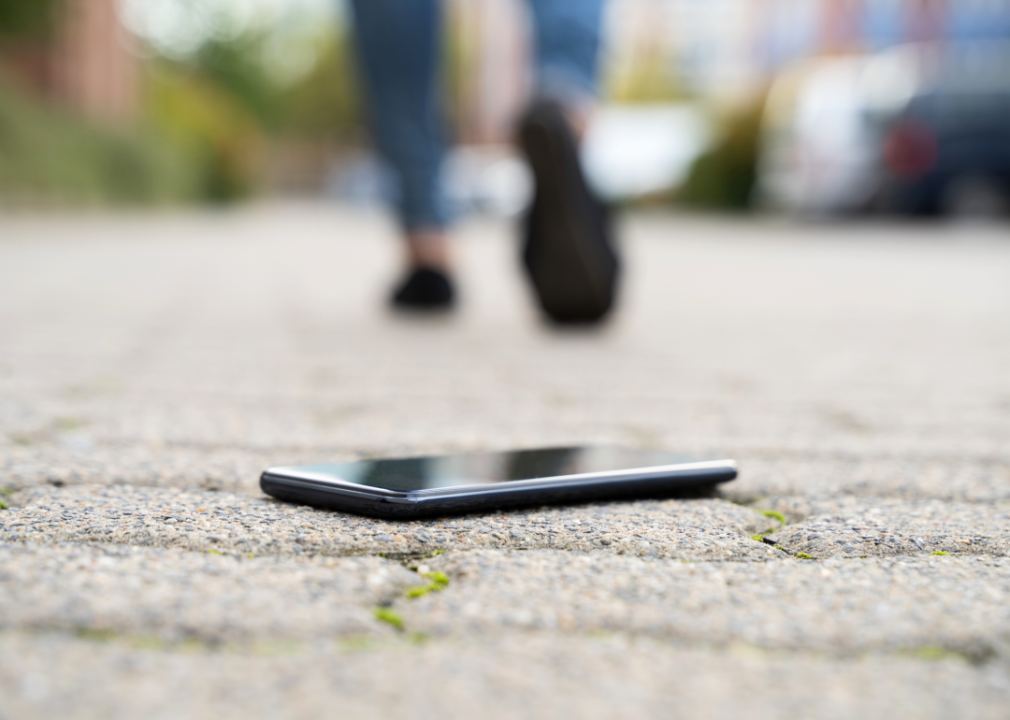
(920, 129)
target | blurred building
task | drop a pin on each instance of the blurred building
(718, 49)
(85, 63)
(780, 32)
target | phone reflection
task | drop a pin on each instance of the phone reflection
(426, 473)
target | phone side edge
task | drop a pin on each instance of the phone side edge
(720, 470)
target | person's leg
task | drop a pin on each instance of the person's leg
(568, 252)
(568, 39)
(399, 49)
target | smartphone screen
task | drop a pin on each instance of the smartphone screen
(428, 473)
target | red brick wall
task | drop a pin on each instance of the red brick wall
(95, 72)
(87, 66)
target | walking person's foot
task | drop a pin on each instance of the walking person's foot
(568, 252)
(425, 288)
(427, 285)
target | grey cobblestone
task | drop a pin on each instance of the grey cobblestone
(194, 520)
(836, 606)
(538, 675)
(174, 596)
(151, 367)
(866, 526)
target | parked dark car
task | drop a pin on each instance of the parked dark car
(919, 130)
(948, 151)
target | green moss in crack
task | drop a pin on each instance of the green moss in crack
(102, 636)
(413, 561)
(356, 643)
(438, 581)
(3, 505)
(803, 556)
(939, 552)
(774, 514)
(936, 653)
(758, 538)
(389, 616)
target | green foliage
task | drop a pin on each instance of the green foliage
(218, 136)
(325, 104)
(233, 66)
(3, 505)
(47, 156)
(651, 78)
(322, 104)
(723, 178)
(389, 616)
(28, 18)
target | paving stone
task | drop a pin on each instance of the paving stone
(175, 595)
(838, 606)
(156, 464)
(145, 362)
(856, 526)
(289, 357)
(544, 675)
(193, 520)
(915, 477)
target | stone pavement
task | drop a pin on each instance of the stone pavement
(152, 366)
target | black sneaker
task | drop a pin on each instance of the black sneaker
(568, 253)
(426, 288)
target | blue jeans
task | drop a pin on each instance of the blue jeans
(399, 51)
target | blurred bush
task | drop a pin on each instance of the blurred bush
(723, 177)
(650, 79)
(50, 157)
(211, 117)
(324, 103)
(28, 18)
(213, 130)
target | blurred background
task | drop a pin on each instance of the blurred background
(812, 107)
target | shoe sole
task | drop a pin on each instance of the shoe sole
(569, 259)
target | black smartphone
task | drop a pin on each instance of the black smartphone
(482, 482)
